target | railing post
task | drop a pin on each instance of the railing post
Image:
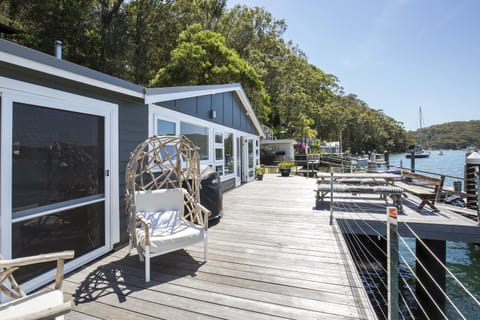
(412, 160)
(478, 198)
(331, 196)
(392, 262)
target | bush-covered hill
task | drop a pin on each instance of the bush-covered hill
(451, 135)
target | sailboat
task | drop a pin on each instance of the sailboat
(418, 151)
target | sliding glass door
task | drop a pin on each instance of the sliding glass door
(58, 182)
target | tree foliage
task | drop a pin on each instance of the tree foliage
(192, 42)
(450, 135)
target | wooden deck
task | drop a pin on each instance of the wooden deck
(271, 256)
(366, 214)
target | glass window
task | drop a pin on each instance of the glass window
(198, 135)
(219, 137)
(228, 152)
(166, 128)
(239, 158)
(218, 154)
(81, 229)
(52, 166)
(250, 157)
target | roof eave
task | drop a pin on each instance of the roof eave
(27, 58)
(155, 95)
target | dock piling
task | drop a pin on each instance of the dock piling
(392, 262)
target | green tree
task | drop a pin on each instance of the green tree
(201, 57)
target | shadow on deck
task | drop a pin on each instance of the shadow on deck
(271, 257)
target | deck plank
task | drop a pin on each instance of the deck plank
(271, 256)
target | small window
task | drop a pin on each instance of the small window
(219, 137)
(198, 135)
(218, 154)
(228, 153)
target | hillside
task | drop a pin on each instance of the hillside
(451, 135)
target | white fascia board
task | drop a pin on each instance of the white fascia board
(43, 68)
(250, 113)
(169, 96)
(172, 94)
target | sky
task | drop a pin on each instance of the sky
(396, 55)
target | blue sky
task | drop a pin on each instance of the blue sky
(396, 55)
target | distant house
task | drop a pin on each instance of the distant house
(277, 150)
(330, 147)
(66, 136)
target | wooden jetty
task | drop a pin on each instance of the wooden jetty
(272, 256)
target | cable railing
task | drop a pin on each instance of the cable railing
(371, 268)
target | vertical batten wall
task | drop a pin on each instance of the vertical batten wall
(222, 113)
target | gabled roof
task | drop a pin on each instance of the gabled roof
(24, 57)
(154, 95)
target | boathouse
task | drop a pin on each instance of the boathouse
(66, 135)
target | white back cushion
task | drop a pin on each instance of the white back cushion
(160, 200)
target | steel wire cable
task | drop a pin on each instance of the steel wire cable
(352, 213)
(367, 274)
(425, 289)
(421, 264)
(443, 265)
(350, 206)
(433, 279)
(379, 276)
(414, 296)
(379, 264)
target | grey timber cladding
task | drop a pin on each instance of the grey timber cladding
(132, 113)
(228, 108)
(133, 129)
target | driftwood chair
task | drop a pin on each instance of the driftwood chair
(45, 304)
(163, 198)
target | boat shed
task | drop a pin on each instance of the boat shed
(66, 135)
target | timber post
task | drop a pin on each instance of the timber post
(392, 263)
(430, 273)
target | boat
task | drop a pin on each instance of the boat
(440, 153)
(418, 151)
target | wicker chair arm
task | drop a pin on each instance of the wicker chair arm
(147, 227)
(9, 266)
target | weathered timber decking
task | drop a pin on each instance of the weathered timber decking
(366, 214)
(272, 256)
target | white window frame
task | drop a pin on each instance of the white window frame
(219, 146)
(225, 134)
(14, 91)
(158, 112)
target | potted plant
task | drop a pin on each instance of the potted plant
(259, 172)
(285, 168)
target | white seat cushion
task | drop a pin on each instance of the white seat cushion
(158, 219)
(170, 238)
(23, 307)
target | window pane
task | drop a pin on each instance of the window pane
(166, 128)
(228, 150)
(218, 137)
(219, 169)
(52, 166)
(218, 154)
(198, 135)
(81, 229)
(250, 158)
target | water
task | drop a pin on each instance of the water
(463, 259)
(450, 164)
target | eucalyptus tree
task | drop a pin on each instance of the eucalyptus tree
(201, 57)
